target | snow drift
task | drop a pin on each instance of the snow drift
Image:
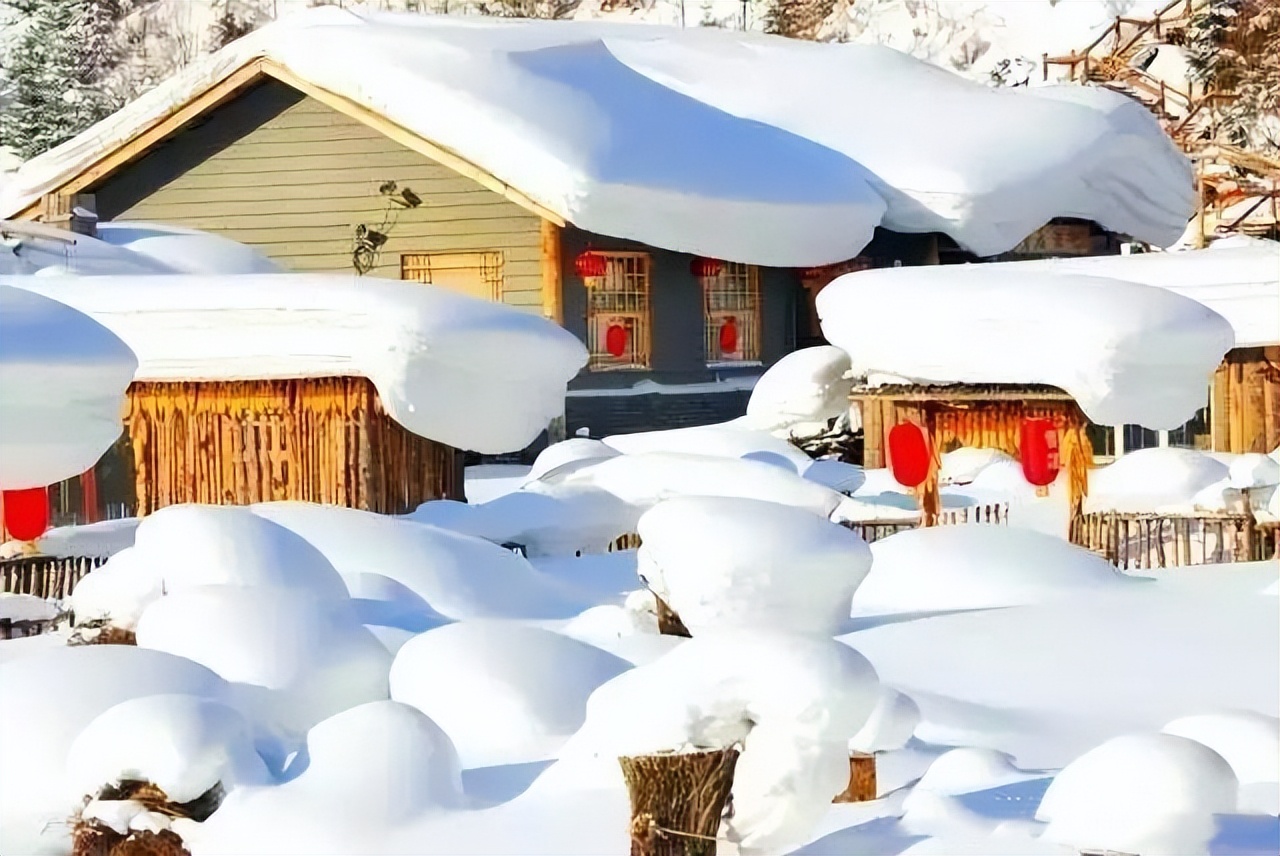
(468, 373)
(1127, 353)
(63, 378)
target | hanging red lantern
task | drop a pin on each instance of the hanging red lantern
(1039, 452)
(704, 268)
(26, 513)
(729, 336)
(591, 265)
(615, 340)
(910, 454)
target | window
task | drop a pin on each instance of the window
(732, 315)
(618, 315)
(472, 274)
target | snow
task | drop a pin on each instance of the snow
(807, 385)
(1151, 480)
(736, 439)
(728, 563)
(567, 113)
(184, 250)
(183, 744)
(1248, 741)
(964, 465)
(553, 461)
(468, 373)
(505, 693)
(1127, 353)
(1239, 281)
(105, 538)
(969, 769)
(490, 481)
(890, 725)
(63, 378)
(25, 607)
(1141, 793)
(37, 250)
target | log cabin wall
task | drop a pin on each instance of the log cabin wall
(324, 440)
(1246, 401)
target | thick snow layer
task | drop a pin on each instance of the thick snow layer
(1127, 353)
(969, 769)
(296, 658)
(63, 377)
(973, 566)
(890, 725)
(804, 386)
(484, 482)
(964, 465)
(568, 114)
(737, 439)
(505, 694)
(185, 250)
(1142, 793)
(1150, 480)
(560, 458)
(1250, 742)
(792, 702)
(25, 607)
(558, 519)
(469, 373)
(1241, 282)
(50, 697)
(104, 538)
(743, 564)
(458, 576)
(1253, 470)
(183, 744)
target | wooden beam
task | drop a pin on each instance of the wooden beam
(552, 287)
(410, 140)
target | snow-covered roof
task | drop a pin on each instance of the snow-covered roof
(1126, 352)
(734, 145)
(469, 373)
(1237, 278)
(63, 378)
(186, 250)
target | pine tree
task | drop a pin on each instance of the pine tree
(797, 19)
(1233, 48)
(227, 26)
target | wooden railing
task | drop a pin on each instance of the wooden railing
(48, 577)
(1178, 11)
(1144, 541)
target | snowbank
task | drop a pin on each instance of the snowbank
(964, 465)
(737, 439)
(1150, 480)
(468, 373)
(890, 724)
(1143, 793)
(969, 769)
(1127, 353)
(807, 385)
(34, 249)
(727, 563)
(558, 458)
(505, 694)
(547, 109)
(25, 607)
(184, 250)
(63, 378)
(1249, 742)
(976, 566)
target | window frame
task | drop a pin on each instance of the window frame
(747, 291)
(632, 300)
(490, 263)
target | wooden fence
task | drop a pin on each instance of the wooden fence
(1141, 541)
(49, 577)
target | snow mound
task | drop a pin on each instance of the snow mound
(1143, 793)
(468, 373)
(1127, 353)
(737, 439)
(746, 564)
(186, 250)
(559, 458)
(25, 607)
(557, 519)
(837, 475)
(50, 697)
(183, 744)
(804, 386)
(643, 480)
(303, 658)
(63, 378)
(973, 566)
(792, 702)
(891, 724)
(964, 465)
(969, 769)
(380, 601)
(1250, 742)
(118, 591)
(458, 576)
(505, 694)
(1253, 470)
(1151, 480)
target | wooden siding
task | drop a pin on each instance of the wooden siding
(1246, 401)
(292, 177)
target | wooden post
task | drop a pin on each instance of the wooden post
(677, 800)
(862, 779)
(669, 623)
(552, 287)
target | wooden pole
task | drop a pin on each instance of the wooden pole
(677, 800)
(552, 287)
(669, 623)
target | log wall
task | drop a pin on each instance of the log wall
(1246, 401)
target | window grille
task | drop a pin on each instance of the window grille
(472, 274)
(619, 302)
(732, 298)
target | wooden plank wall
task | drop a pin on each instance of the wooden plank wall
(292, 177)
(1246, 401)
(323, 440)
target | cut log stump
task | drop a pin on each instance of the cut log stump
(677, 800)
(862, 779)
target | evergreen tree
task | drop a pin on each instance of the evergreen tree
(797, 19)
(227, 26)
(1233, 47)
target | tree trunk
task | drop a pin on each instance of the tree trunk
(862, 779)
(677, 800)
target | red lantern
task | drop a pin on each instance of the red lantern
(26, 513)
(729, 336)
(704, 268)
(615, 340)
(1039, 451)
(591, 265)
(910, 455)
